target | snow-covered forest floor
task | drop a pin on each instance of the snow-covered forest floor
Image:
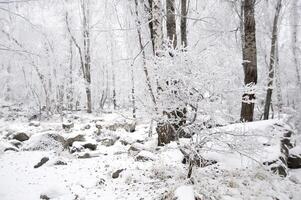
(118, 164)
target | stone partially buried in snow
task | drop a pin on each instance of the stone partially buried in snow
(145, 156)
(117, 173)
(45, 142)
(21, 137)
(42, 162)
(108, 141)
(294, 158)
(128, 125)
(34, 123)
(67, 125)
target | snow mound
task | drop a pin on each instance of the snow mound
(45, 142)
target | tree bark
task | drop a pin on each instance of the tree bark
(272, 62)
(295, 41)
(249, 61)
(171, 26)
(150, 24)
(145, 69)
(184, 11)
(157, 26)
(87, 56)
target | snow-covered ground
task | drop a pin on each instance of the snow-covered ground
(129, 165)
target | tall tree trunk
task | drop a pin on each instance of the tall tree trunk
(278, 81)
(157, 26)
(171, 26)
(273, 58)
(70, 75)
(184, 11)
(150, 24)
(249, 61)
(148, 80)
(295, 47)
(87, 56)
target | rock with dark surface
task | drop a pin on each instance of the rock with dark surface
(21, 137)
(11, 149)
(88, 126)
(44, 197)
(117, 173)
(59, 162)
(294, 161)
(145, 156)
(68, 125)
(42, 162)
(90, 146)
(278, 166)
(294, 158)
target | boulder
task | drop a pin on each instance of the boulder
(21, 137)
(11, 149)
(16, 143)
(294, 158)
(78, 138)
(76, 147)
(81, 146)
(44, 197)
(278, 166)
(90, 146)
(128, 125)
(67, 125)
(145, 156)
(45, 142)
(108, 141)
(294, 161)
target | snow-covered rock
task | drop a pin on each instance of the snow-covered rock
(45, 142)
(145, 156)
(184, 192)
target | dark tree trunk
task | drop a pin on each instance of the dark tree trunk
(272, 62)
(184, 12)
(171, 26)
(249, 61)
(150, 24)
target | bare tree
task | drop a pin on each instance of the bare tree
(84, 52)
(273, 61)
(145, 69)
(249, 61)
